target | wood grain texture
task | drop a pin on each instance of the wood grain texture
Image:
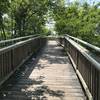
(50, 76)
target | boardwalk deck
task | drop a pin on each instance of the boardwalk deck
(51, 78)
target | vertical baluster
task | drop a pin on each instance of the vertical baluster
(99, 86)
(0, 66)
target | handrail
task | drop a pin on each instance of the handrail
(84, 53)
(86, 67)
(5, 49)
(97, 49)
(13, 56)
(14, 40)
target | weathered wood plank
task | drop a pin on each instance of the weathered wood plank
(52, 78)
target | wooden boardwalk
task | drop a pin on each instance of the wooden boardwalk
(50, 76)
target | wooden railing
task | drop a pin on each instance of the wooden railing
(8, 42)
(87, 68)
(13, 56)
(86, 44)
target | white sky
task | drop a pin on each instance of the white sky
(89, 1)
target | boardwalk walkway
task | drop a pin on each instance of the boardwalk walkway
(51, 78)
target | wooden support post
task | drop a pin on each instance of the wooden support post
(99, 87)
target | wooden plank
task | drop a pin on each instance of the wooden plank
(52, 78)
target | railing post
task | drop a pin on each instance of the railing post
(12, 60)
(99, 87)
(77, 59)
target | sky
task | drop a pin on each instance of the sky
(89, 1)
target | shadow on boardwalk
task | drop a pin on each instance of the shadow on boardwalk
(49, 76)
(21, 87)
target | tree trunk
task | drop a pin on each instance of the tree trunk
(3, 30)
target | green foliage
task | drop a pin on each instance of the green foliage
(28, 16)
(4, 4)
(24, 17)
(82, 21)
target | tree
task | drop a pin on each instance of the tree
(4, 4)
(78, 20)
(28, 15)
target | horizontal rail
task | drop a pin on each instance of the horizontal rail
(14, 40)
(87, 68)
(84, 52)
(5, 49)
(97, 49)
(11, 57)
